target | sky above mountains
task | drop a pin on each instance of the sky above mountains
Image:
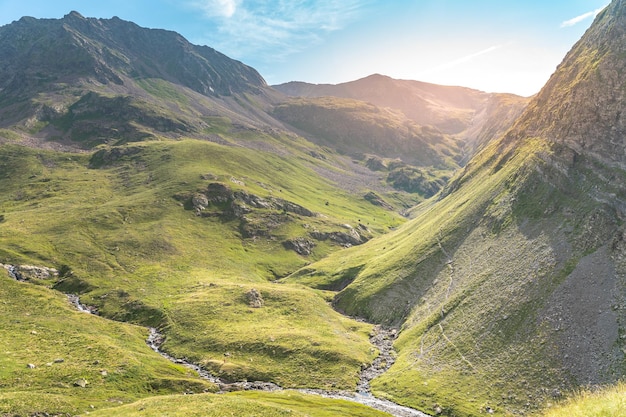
(492, 45)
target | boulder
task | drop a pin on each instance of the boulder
(255, 300)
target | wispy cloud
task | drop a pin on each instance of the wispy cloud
(216, 8)
(279, 27)
(462, 60)
(576, 20)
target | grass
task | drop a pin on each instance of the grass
(279, 404)
(294, 339)
(608, 402)
(141, 256)
(467, 280)
(40, 328)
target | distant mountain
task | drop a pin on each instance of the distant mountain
(449, 109)
(510, 288)
(416, 123)
(40, 52)
(91, 81)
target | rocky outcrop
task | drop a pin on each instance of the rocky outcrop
(302, 246)
(232, 203)
(352, 237)
(30, 272)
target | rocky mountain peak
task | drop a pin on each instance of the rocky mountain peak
(111, 50)
(582, 105)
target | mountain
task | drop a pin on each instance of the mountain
(509, 287)
(452, 110)
(166, 186)
(403, 128)
(59, 74)
(110, 51)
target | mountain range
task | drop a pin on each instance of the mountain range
(281, 234)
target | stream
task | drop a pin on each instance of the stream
(381, 338)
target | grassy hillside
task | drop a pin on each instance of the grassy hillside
(125, 224)
(57, 360)
(489, 285)
(244, 404)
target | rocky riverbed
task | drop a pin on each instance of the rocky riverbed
(381, 338)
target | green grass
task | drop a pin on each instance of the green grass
(141, 256)
(294, 339)
(608, 402)
(39, 327)
(279, 404)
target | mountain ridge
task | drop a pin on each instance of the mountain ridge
(448, 108)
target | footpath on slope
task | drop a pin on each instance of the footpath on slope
(381, 338)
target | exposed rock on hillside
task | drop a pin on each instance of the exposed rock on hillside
(29, 272)
(255, 300)
(582, 105)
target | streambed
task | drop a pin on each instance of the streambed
(381, 338)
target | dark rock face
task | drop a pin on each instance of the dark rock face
(302, 246)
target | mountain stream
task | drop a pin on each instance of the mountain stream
(381, 338)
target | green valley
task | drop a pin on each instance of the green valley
(379, 247)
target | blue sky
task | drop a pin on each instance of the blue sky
(492, 45)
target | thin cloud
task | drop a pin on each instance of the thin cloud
(462, 60)
(576, 20)
(276, 27)
(216, 8)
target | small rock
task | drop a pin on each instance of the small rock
(199, 202)
(59, 360)
(104, 372)
(82, 383)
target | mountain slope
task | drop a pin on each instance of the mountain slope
(509, 288)
(167, 205)
(449, 109)
(83, 81)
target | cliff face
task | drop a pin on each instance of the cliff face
(582, 105)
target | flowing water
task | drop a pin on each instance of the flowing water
(381, 338)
